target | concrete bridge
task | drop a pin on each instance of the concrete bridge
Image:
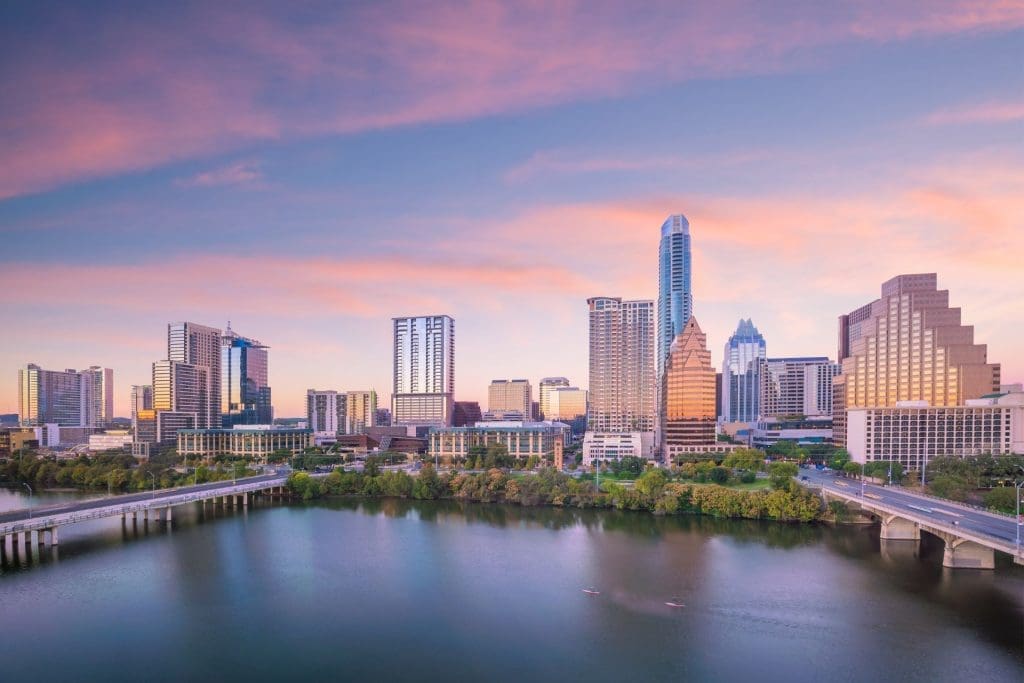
(971, 536)
(44, 522)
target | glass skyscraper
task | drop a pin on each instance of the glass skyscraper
(675, 295)
(245, 396)
(741, 374)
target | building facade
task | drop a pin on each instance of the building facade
(622, 372)
(466, 414)
(567, 404)
(97, 397)
(326, 412)
(605, 447)
(913, 433)
(797, 386)
(546, 386)
(141, 399)
(522, 439)
(111, 440)
(908, 345)
(68, 398)
(252, 442)
(244, 390)
(360, 411)
(675, 293)
(424, 371)
(508, 395)
(741, 374)
(198, 346)
(801, 430)
(688, 393)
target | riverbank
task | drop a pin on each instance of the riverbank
(652, 492)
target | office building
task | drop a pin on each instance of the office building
(567, 403)
(504, 395)
(110, 440)
(522, 439)
(908, 345)
(466, 414)
(605, 447)
(741, 374)
(383, 417)
(255, 442)
(912, 432)
(183, 389)
(622, 372)
(688, 393)
(244, 391)
(546, 386)
(799, 429)
(797, 386)
(360, 411)
(675, 294)
(200, 347)
(67, 398)
(424, 371)
(141, 399)
(326, 413)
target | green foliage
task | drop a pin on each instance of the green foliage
(631, 465)
(748, 477)
(719, 475)
(838, 459)
(745, 459)
(782, 473)
(949, 486)
(1002, 499)
(852, 468)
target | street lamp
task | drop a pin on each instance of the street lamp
(30, 504)
(1016, 489)
(863, 468)
(154, 482)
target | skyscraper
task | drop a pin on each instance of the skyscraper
(68, 398)
(361, 411)
(688, 393)
(326, 412)
(200, 347)
(741, 374)
(505, 396)
(797, 386)
(908, 345)
(622, 372)
(245, 396)
(675, 295)
(546, 386)
(424, 371)
(141, 399)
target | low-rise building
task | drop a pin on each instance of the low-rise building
(610, 446)
(913, 432)
(801, 430)
(522, 439)
(251, 441)
(110, 440)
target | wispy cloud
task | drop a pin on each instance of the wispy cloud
(239, 173)
(983, 113)
(571, 162)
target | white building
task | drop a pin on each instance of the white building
(424, 371)
(609, 446)
(622, 368)
(913, 432)
(326, 414)
(111, 440)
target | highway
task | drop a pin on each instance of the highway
(159, 494)
(953, 515)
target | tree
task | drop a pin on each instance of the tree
(839, 458)
(719, 475)
(745, 459)
(781, 473)
(1002, 499)
(852, 468)
(651, 482)
(949, 486)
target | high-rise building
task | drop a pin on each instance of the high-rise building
(566, 404)
(199, 346)
(326, 412)
(383, 417)
(67, 398)
(547, 385)
(515, 395)
(466, 414)
(244, 393)
(361, 411)
(142, 399)
(675, 294)
(741, 374)
(688, 393)
(180, 388)
(908, 345)
(424, 371)
(797, 386)
(622, 373)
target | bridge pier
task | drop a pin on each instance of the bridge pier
(245, 500)
(899, 529)
(167, 514)
(963, 554)
(53, 536)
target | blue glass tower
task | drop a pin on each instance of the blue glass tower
(741, 374)
(675, 296)
(244, 391)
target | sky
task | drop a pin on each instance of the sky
(310, 170)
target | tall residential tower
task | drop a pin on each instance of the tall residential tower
(424, 371)
(622, 373)
(675, 295)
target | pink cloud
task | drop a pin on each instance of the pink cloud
(218, 79)
(240, 173)
(987, 112)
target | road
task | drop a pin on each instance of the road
(989, 524)
(94, 503)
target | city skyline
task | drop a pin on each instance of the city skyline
(501, 179)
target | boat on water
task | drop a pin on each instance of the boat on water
(676, 601)
(591, 591)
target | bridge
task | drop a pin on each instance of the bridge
(971, 536)
(45, 521)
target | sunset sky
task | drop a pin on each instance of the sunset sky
(310, 171)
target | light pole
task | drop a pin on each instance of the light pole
(863, 468)
(1016, 490)
(923, 464)
(154, 484)
(30, 504)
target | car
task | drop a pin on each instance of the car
(804, 478)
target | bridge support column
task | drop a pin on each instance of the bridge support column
(898, 529)
(963, 554)
(53, 536)
(167, 514)
(245, 500)
(27, 537)
(39, 536)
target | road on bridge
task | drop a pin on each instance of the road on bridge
(94, 503)
(977, 521)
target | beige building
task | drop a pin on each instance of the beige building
(567, 403)
(361, 411)
(688, 393)
(622, 371)
(544, 389)
(522, 439)
(510, 396)
(908, 345)
(255, 442)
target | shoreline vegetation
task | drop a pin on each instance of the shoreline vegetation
(654, 491)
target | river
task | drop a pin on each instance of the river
(424, 591)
